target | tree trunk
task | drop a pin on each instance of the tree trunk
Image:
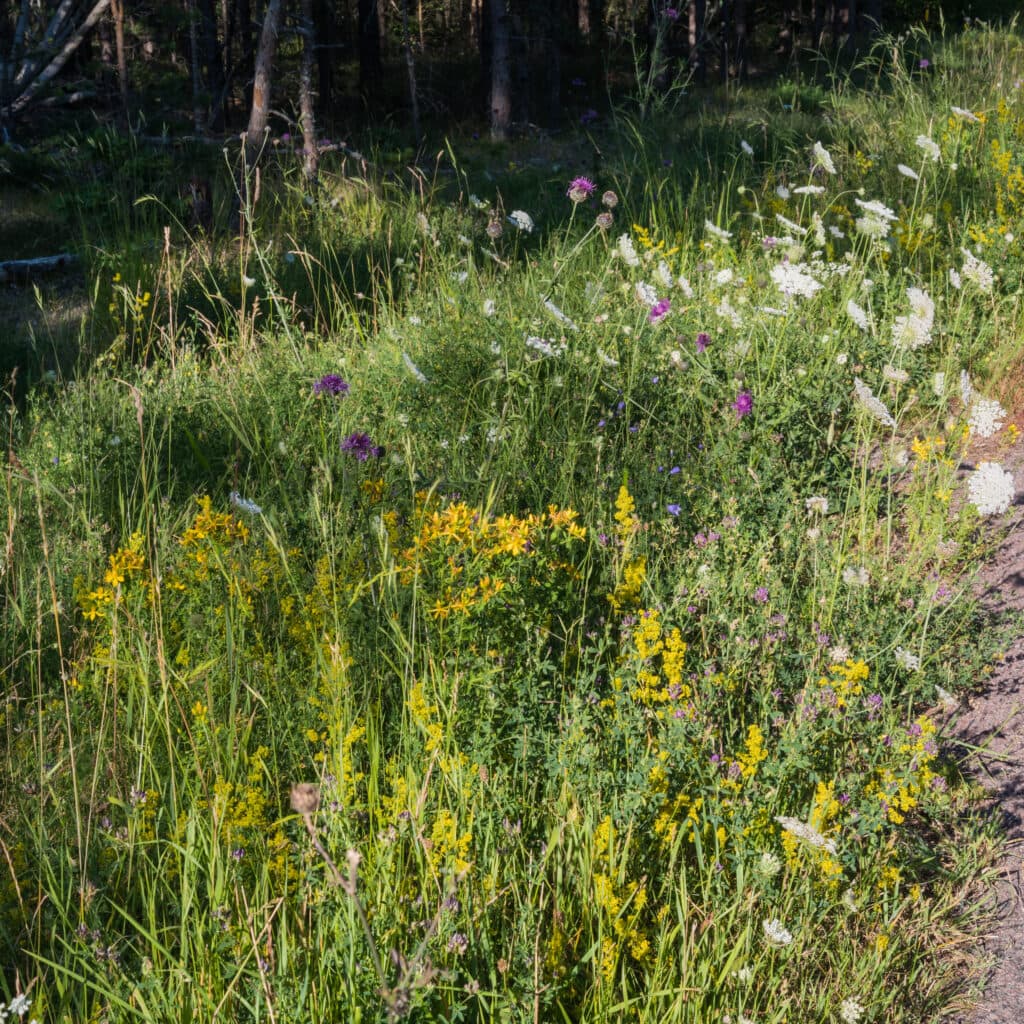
(260, 110)
(28, 83)
(369, 43)
(323, 26)
(213, 62)
(501, 70)
(410, 66)
(698, 64)
(310, 156)
(117, 9)
(198, 118)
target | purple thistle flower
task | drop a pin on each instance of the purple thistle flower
(703, 340)
(659, 310)
(580, 189)
(330, 384)
(761, 595)
(744, 404)
(361, 446)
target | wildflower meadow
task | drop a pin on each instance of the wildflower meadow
(532, 594)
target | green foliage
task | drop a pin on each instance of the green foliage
(611, 632)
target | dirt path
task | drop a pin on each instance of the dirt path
(994, 722)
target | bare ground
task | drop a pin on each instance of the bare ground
(988, 734)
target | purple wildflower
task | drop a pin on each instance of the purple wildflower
(580, 189)
(703, 340)
(671, 13)
(673, 509)
(761, 595)
(744, 404)
(330, 384)
(659, 310)
(924, 63)
(361, 446)
(589, 116)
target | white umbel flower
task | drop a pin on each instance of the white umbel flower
(908, 172)
(816, 505)
(522, 220)
(793, 279)
(978, 272)
(954, 278)
(905, 659)
(646, 293)
(967, 115)
(822, 158)
(807, 833)
(986, 417)
(915, 331)
(850, 1011)
(627, 251)
(868, 401)
(809, 190)
(776, 934)
(559, 315)
(990, 489)
(857, 315)
(713, 229)
(928, 146)
(244, 505)
(856, 576)
(665, 274)
(895, 374)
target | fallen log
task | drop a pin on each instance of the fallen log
(17, 270)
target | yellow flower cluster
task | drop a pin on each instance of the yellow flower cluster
(660, 653)
(846, 680)
(123, 565)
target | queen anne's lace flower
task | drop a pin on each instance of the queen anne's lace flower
(850, 1011)
(986, 417)
(776, 934)
(905, 659)
(857, 315)
(990, 489)
(793, 279)
(807, 833)
(522, 220)
(713, 229)
(871, 404)
(907, 172)
(915, 331)
(978, 272)
(627, 251)
(929, 147)
(822, 158)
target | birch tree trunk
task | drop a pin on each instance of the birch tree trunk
(310, 153)
(501, 71)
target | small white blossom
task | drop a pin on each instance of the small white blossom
(746, 147)
(905, 659)
(489, 307)
(839, 654)
(990, 489)
(928, 146)
(665, 274)
(546, 348)
(986, 417)
(243, 504)
(809, 190)
(978, 272)
(816, 505)
(521, 220)
(807, 833)
(842, 358)
(915, 331)
(769, 865)
(790, 225)
(725, 276)
(782, 192)
(793, 279)
(413, 368)
(856, 576)
(559, 315)
(895, 374)
(713, 229)
(857, 315)
(871, 404)
(822, 158)
(627, 251)
(908, 172)
(967, 115)
(685, 287)
(850, 1011)
(776, 934)
(954, 279)
(646, 293)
